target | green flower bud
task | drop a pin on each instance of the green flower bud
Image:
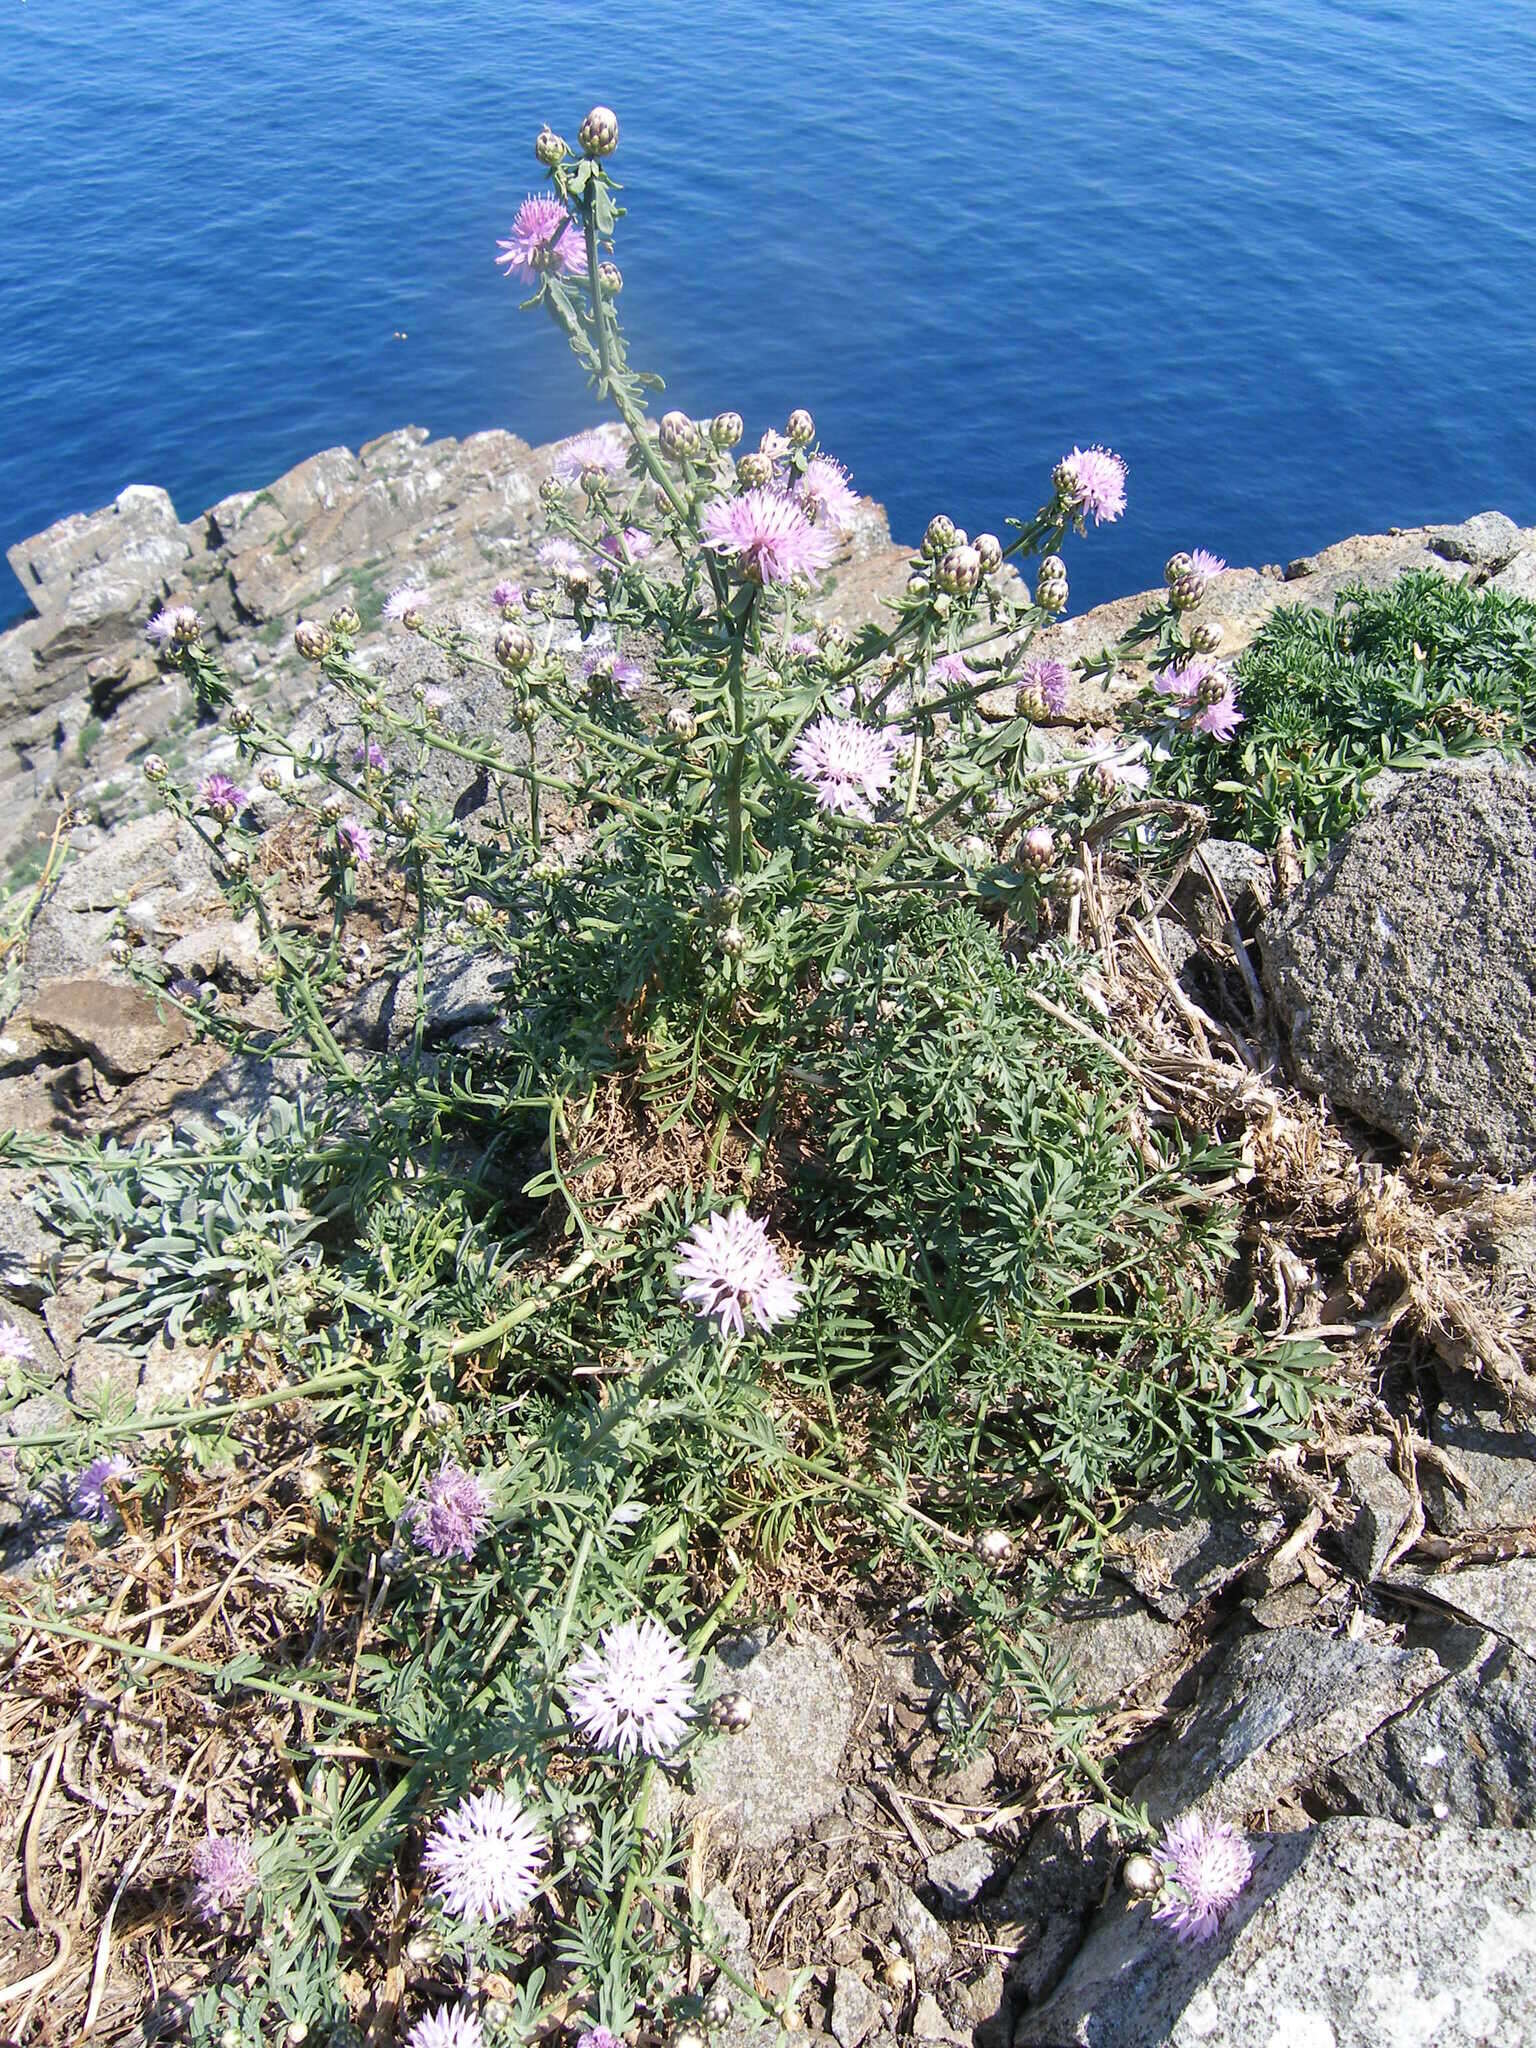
(726, 429)
(681, 723)
(754, 471)
(800, 428)
(549, 148)
(405, 818)
(732, 941)
(941, 535)
(271, 778)
(514, 647)
(1206, 635)
(1176, 566)
(959, 571)
(155, 770)
(990, 549)
(312, 640)
(678, 436)
(612, 279)
(346, 619)
(241, 717)
(599, 132)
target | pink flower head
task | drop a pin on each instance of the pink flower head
(405, 604)
(808, 647)
(453, 1513)
(626, 676)
(1208, 1863)
(634, 1690)
(221, 796)
(372, 755)
(354, 839)
(598, 2037)
(507, 597)
(1050, 678)
(729, 1263)
(1218, 715)
(849, 766)
(1204, 564)
(173, 624)
(1039, 846)
(825, 494)
(1182, 680)
(953, 669)
(1091, 483)
(632, 545)
(769, 536)
(88, 1497)
(451, 2026)
(435, 698)
(484, 1857)
(225, 1870)
(15, 1344)
(601, 448)
(562, 558)
(542, 239)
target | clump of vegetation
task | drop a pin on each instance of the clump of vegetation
(1420, 671)
(800, 1197)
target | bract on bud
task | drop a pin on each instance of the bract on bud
(754, 471)
(120, 952)
(271, 777)
(549, 147)
(994, 1546)
(1176, 566)
(939, 534)
(1039, 847)
(731, 1711)
(405, 818)
(346, 619)
(611, 278)
(1141, 1875)
(514, 647)
(678, 436)
(599, 132)
(241, 717)
(552, 491)
(918, 586)
(1206, 635)
(155, 770)
(716, 2010)
(1029, 703)
(312, 640)
(726, 429)
(800, 428)
(575, 1831)
(334, 807)
(1186, 591)
(732, 941)
(990, 549)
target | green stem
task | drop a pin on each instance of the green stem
(199, 1418)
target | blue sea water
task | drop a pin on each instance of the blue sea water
(1280, 253)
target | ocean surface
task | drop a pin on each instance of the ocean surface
(1281, 255)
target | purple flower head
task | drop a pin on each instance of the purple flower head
(626, 676)
(88, 1497)
(849, 766)
(451, 2026)
(405, 604)
(453, 1513)
(729, 1263)
(632, 545)
(1050, 678)
(542, 239)
(372, 756)
(563, 558)
(598, 2037)
(808, 647)
(435, 698)
(15, 1344)
(356, 840)
(484, 1857)
(953, 669)
(507, 597)
(769, 536)
(1091, 483)
(1217, 713)
(1204, 564)
(173, 624)
(634, 1690)
(1208, 1862)
(225, 1870)
(601, 448)
(773, 445)
(1182, 680)
(825, 494)
(222, 796)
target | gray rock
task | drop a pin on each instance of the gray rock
(960, 1873)
(930, 2024)
(1382, 1507)
(1518, 577)
(1358, 1934)
(26, 1248)
(1042, 1909)
(120, 1031)
(925, 1944)
(1283, 1706)
(228, 950)
(1112, 1644)
(1501, 1596)
(1487, 540)
(855, 2008)
(1177, 1559)
(1406, 968)
(730, 1929)
(1497, 1456)
(99, 573)
(1461, 1752)
(781, 1772)
(1246, 876)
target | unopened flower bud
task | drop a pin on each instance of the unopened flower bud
(1213, 689)
(552, 491)
(800, 428)
(1206, 635)
(549, 147)
(612, 279)
(1051, 587)
(726, 429)
(236, 859)
(334, 808)
(312, 640)
(599, 133)
(120, 952)
(918, 586)
(1176, 566)
(938, 536)
(990, 549)
(678, 436)
(687, 2037)
(514, 647)
(681, 723)
(732, 941)
(346, 619)
(575, 1831)
(1141, 1875)
(476, 910)
(593, 480)
(754, 471)
(994, 1546)
(1029, 703)
(716, 2010)
(241, 717)
(405, 818)
(730, 1711)
(731, 898)
(899, 1974)
(1039, 846)
(1186, 591)
(271, 777)
(959, 571)
(155, 770)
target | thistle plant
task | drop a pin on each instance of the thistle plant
(799, 1191)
